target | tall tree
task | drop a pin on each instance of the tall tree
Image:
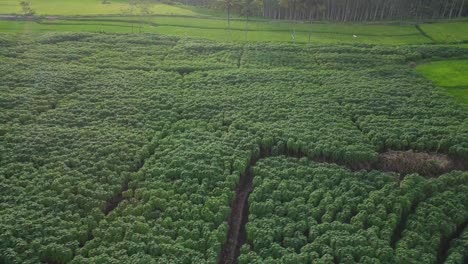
(26, 8)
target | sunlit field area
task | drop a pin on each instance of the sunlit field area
(450, 74)
(88, 7)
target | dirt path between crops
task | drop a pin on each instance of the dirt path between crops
(445, 242)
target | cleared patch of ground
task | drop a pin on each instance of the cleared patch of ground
(428, 164)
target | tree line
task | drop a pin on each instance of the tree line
(341, 10)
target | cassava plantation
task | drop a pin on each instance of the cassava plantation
(161, 136)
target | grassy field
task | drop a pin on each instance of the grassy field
(448, 32)
(87, 7)
(93, 16)
(216, 29)
(451, 74)
(28, 27)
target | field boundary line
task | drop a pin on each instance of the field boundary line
(239, 60)
(418, 28)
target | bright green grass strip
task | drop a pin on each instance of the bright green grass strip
(447, 32)
(86, 7)
(215, 29)
(22, 27)
(450, 74)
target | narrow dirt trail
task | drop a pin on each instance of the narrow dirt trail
(238, 220)
(115, 200)
(424, 34)
(445, 242)
(237, 234)
(398, 231)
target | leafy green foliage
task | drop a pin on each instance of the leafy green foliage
(166, 126)
(305, 212)
(26, 8)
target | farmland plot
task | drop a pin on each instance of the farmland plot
(135, 148)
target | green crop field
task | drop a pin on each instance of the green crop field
(450, 74)
(142, 148)
(170, 137)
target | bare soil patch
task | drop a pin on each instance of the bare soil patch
(427, 164)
